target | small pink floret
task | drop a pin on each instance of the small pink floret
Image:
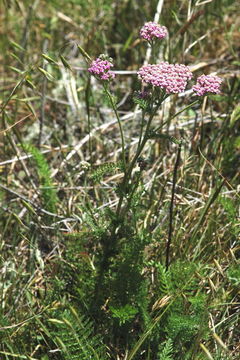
(207, 84)
(109, 75)
(101, 68)
(172, 78)
(153, 30)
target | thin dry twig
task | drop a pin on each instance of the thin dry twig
(16, 123)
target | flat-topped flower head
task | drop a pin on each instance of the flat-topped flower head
(153, 30)
(207, 84)
(101, 68)
(172, 78)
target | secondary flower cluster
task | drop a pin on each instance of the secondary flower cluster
(170, 77)
(101, 68)
(207, 84)
(153, 30)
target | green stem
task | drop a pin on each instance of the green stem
(87, 96)
(130, 197)
(20, 82)
(128, 173)
(171, 208)
(119, 124)
(179, 112)
(141, 129)
(141, 144)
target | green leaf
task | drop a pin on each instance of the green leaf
(65, 63)
(28, 207)
(30, 84)
(15, 57)
(237, 142)
(143, 104)
(127, 43)
(46, 74)
(15, 69)
(30, 98)
(216, 97)
(84, 54)
(18, 356)
(17, 46)
(124, 313)
(167, 351)
(235, 115)
(49, 59)
(174, 140)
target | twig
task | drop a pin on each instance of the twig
(16, 123)
(26, 30)
(190, 21)
(15, 148)
(156, 19)
(24, 321)
(32, 203)
(43, 97)
(24, 157)
(100, 128)
(219, 173)
(171, 206)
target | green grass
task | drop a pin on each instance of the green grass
(84, 270)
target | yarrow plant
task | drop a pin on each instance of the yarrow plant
(153, 30)
(207, 84)
(170, 77)
(101, 68)
(166, 79)
(122, 250)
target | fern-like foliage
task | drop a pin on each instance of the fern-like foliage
(172, 139)
(183, 328)
(143, 100)
(130, 302)
(74, 335)
(220, 355)
(233, 274)
(124, 313)
(163, 279)
(187, 318)
(231, 213)
(104, 169)
(143, 104)
(48, 192)
(167, 352)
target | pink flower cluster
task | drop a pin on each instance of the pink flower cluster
(207, 84)
(153, 30)
(170, 77)
(101, 69)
